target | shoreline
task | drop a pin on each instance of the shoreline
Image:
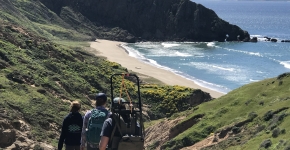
(114, 52)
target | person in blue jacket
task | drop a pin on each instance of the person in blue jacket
(71, 128)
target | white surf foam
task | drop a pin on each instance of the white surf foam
(257, 35)
(223, 68)
(212, 86)
(286, 64)
(245, 52)
(228, 72)
(132, 52)
(167, 45)
(199, 82)
(177, 53)
(260, 72)
(210, 44)
(167, 53)
(261, 38)
(212, 67)
(252, 80)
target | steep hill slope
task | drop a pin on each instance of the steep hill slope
(39, 77)
(154, 20)
(254, 116)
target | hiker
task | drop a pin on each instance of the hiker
(93, 123)
(110, 130)
(71, 128)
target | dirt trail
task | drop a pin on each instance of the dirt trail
(159, 133)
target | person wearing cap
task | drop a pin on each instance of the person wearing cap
(71, 128)
(109, 124)
(101, 101)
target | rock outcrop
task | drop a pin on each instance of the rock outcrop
(16, 134)
(7, 134)
(198, 97)
(274, 40)
(154, 20)
(254, 39)
(285, 41)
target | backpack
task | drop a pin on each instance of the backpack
(130, 136)
(95, 125)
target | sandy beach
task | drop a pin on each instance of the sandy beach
(113, 52)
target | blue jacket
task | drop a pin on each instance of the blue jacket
(71, 130)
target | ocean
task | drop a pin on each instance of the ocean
(224, 66)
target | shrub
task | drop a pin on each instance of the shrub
(281, 76)
(260, 128)
(275, 132)
(283, 131)
(268, 115)
(236, 130)
(287, 147)
(280, 82)
(252, 115)
(265, 144)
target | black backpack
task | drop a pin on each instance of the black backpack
(131, 137)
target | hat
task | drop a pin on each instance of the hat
(117, 99)
(101, 95)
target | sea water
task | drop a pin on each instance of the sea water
(224, 66)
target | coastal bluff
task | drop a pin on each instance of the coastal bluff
(153, 20)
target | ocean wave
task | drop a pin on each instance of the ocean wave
(257, 35)
(132, 52)
(177, 53)
(167, 45)
(200, 56)
(260, 72)
(189, 42)
(252, 80)
(210, 44)
(212, 67)
(168, 53)
(222, 54)
(212, 86)
(199, 82)
(286, 64)
(245, 52)
(223, 68)
(228, 72)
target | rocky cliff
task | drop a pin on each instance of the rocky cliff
(17, 135)
(154, 20)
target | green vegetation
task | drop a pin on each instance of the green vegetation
(166, 100)
(43, 68)
(34, 17)
(45, 63)
(252, 114)
(37, 77)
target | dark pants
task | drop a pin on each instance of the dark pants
(69, 147)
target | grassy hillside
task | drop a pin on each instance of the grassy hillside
(44, 66)
(37, 77)
(43, 22)
(254, 116)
